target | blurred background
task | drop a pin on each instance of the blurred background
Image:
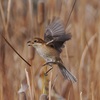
(22, 20)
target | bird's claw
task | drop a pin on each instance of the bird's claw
(44, 64)
(48, 63)
(45, 74)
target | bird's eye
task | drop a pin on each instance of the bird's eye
(35, 40)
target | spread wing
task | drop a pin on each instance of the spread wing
(55, 35)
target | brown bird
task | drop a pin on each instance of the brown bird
(51, 47)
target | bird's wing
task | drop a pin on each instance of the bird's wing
(55, 34)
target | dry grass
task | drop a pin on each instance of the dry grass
(21, 20)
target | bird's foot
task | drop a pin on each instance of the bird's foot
(46, 73)
(48, 63)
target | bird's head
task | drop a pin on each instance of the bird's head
(36, 42)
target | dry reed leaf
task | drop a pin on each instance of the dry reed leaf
(28, 82)
(23, 88)
(50, 91)
(81, 96)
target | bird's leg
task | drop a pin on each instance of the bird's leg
(46, 73)
(50, 64)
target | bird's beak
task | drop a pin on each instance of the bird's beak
(29, 43)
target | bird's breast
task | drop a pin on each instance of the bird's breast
(48, 53)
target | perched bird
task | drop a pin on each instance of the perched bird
(51, 47)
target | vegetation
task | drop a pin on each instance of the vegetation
(20, 21)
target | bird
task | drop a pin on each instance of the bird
(51, 46)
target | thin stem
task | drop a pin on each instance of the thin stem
(14, 50)
(70, 12)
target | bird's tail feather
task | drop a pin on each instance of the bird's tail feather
(66, 73)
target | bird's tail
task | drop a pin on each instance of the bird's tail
(66, 73)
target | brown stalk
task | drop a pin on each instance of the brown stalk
(81, 96)
(40, 11)
(58, 8)
(50, 86)
(8, 13)
(28, 82)
(2, 16)
(70, 12)
(4, 81)
(14, 50)
(22, 96)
